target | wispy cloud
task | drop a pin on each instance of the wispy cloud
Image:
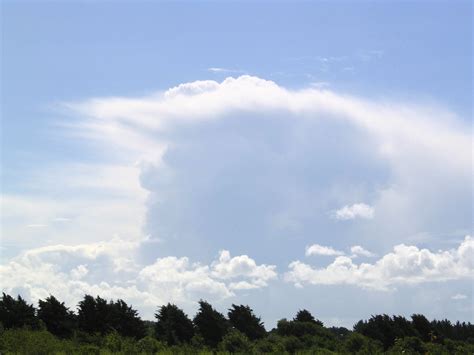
(37, 225)
(62, 219)
(225, 70)
(357, 250)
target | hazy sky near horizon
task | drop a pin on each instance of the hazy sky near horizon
(283, 155)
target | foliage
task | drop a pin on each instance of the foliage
(356, 343)
(210, 324)
(270, 344)
(244, 320)
(58, 319)
(236, 342)
(25, 341)
(409, 345)
(16, 313)
(173, 326)
(422, 326)
(306, 316)
(96, 315)
(112, 327)
(125, 320)
(150, 345)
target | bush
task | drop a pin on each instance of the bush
(408, 345)
(113, 342)
(235, 342)
(25, 341)
(292, 344)
(149, 345)
(356, 343)
(270, 344)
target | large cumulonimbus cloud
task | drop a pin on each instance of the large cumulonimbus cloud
(251, 168)
(244, 161)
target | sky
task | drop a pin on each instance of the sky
(283, 155)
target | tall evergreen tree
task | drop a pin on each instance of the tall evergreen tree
(59, 320)
(87, 316)
(96, 315)
(125, 320)
(306, 316)
(173, 326)
(243, 319)
(379, 327)
(93, 315)
(16, 313)
(422, 326)
(210, 324)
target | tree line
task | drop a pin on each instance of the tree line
(101, 326)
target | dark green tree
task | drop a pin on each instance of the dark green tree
(403, 327)
(306, 316)
(173, 326)
(103, 311)
(125, 320)
(243, 319)
(422, 326)
(59, 320)
(210, 324)
(88, 319)
(16, 313)
(379, 327)
(96, 315)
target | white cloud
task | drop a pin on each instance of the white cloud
(357, 210)
(229, 268)
(208, 100)
(182, 281)
(458, 297)
(61, 219)
(357, 250)
(408, 141)
(224, 70)
(296, 174)
(405, 265)
(79, 272)
(110, 269)
(317, 249)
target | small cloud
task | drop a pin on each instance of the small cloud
(458, 297)
(357, 250)
(224, 70)
(348, 69)
(320, 84)
(79, 272)
(369, 55)
(36, 225)
(317, 249)
(61, 219)
(357, 210)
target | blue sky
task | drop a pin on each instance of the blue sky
(326, 147)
